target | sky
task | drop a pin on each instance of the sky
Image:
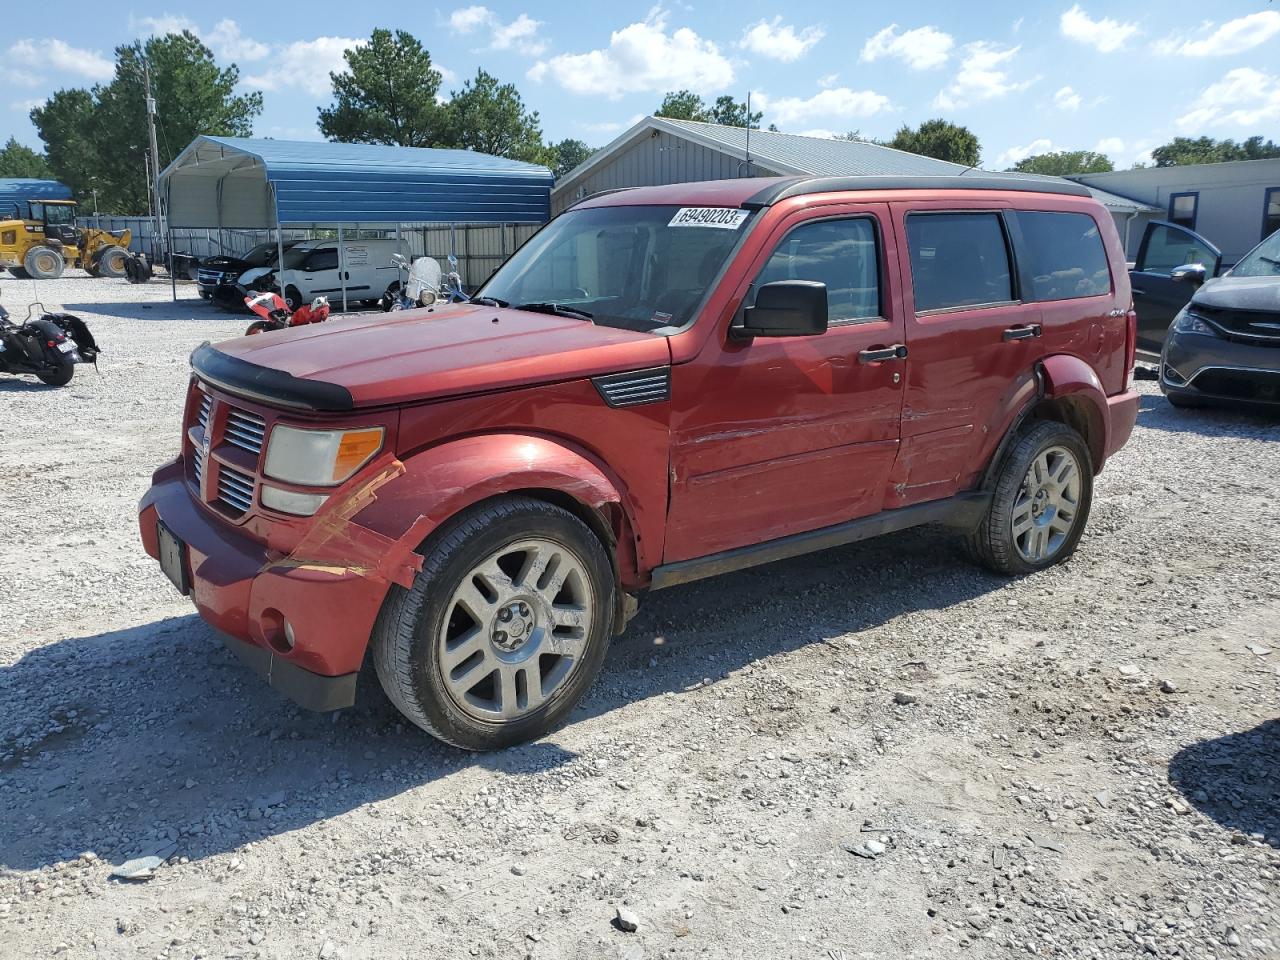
(1026, 78)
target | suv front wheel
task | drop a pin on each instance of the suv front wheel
(1040, 503)
(504, 628)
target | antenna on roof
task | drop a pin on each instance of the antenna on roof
(747, 161)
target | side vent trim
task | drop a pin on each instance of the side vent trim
(635, 387)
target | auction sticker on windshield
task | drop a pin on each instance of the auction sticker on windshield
(722, 218)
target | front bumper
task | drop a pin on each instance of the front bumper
(1194, 365)
(240, 591)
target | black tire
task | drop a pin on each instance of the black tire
(994, 544)
(111, 261)
(293, 297)
(44, 263)
(404, 644)
(261, 326)
(60, 376)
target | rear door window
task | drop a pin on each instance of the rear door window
(839, 253)
(958, 260)
(1067, 257)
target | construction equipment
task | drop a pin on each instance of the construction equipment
(39, 238)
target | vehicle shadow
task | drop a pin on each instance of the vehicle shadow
(184, 308)
(1158, 413)
(129, 741)
(1234, 780)
(16, 383)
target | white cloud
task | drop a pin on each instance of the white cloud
(829, 81)
(1105, 35)
(839, 102)
(779, 41)
(983, 75)
(641, 58)
(520, 34)
(1014, 154)
(1066, 99)
(920, 49)
(159, 26)
(26, 106)
(305, 64)
(34, 62)
(1244, 97)
(229, 43)
(1109, 146)
(820, 133)
(1234, 36)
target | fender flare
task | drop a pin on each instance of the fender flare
(1069, 378)
(439, 482)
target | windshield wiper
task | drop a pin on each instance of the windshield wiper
(489, 302)
(556, 309)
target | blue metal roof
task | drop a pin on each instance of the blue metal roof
(316, 182)
(23, 188)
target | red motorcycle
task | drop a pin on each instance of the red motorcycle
(275, 312)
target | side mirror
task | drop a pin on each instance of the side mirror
(1192, 273)
(785, 308)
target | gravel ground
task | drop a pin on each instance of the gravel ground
(877, 751)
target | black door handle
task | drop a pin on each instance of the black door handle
(1022, 333)
(879, 354)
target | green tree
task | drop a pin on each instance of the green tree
(687, 105)
(17, 160)
(387, 94)
(1184, 150)
(101, 135)
(683, 105)
(733, 113)
(941, 140)
(63, 122)
(490, 117)
(1062, 163)
(565, 155)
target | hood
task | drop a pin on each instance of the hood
(410, 355)
(1240, 293)
(223, 263)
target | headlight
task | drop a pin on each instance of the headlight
(1188, 322)
(320, 458)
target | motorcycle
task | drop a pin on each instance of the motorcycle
(422, 284)
(276, 315)
(48, 347)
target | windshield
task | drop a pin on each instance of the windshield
(264, 254)
(53, 212)
(640, 268)
(1262, 261)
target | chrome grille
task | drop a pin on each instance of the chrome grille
(235, 489)
(202, 418)
(245, 430)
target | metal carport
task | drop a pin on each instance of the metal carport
(248, 183)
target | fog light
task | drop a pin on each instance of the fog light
(288, 635)
(286, 501)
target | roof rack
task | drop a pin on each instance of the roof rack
(801, 186)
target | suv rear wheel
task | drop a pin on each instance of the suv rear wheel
(504, 628)
(1040, 503)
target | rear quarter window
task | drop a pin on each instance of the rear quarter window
(1065, 255)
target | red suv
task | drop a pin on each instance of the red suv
(664, 384)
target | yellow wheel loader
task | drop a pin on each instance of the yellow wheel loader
(39, 238)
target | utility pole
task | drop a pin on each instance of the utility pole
(153, 180)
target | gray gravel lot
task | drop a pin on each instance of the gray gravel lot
(878, 751)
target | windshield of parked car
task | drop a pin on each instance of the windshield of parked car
(638, 268)
(264, 254)
(1262, 261)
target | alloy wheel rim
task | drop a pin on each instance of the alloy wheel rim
(1047, 506)
(515, 630)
